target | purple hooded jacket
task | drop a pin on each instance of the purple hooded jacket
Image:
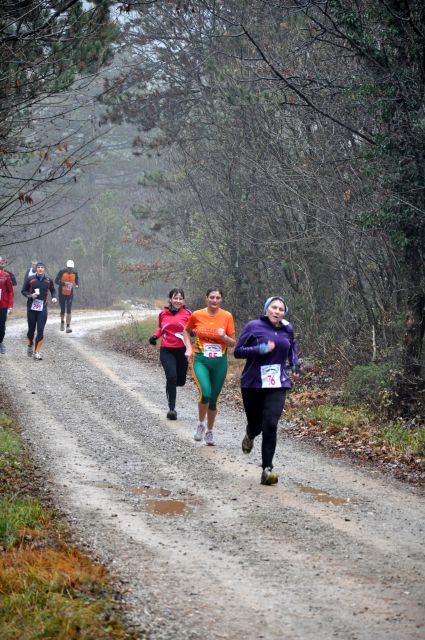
(259, 332)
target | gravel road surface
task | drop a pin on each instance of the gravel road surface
(332, 551)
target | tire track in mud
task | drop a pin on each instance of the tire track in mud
(243, 561)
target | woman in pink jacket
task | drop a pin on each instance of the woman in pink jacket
(171, 323)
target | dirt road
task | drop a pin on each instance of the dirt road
(331, 552)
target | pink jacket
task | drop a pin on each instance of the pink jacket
(6, 291)
(170, 327)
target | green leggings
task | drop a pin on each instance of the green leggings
(209, 375)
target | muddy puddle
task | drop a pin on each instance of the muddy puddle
(168, 507)
(323, 496)
(157, 500)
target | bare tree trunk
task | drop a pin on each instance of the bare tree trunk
(415, 320)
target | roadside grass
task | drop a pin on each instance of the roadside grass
(48, 588)
(137, 331)
(396, 438)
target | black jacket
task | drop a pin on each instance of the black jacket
(45, 285)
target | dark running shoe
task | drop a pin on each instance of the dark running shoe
(269, 476)
(247, 444)
(172, 414)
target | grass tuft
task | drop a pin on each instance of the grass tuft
(138, 331)
(49, 570)
(336, 418)
(10, 449)
(17, 516)
(408, 442)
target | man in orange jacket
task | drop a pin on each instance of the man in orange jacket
(67, 281)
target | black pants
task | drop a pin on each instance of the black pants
(263, 408)
(65, 302)
(175, 366)
(3, 318)
(36, 319)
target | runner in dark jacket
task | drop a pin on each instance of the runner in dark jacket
(267, 344)
(36, 290)
(171, 323)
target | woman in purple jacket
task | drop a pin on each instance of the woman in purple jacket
(267, 344)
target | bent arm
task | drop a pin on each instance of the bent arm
(243, 348)
(26, 289)
(52, 289)
(158, 331)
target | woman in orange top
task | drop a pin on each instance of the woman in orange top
(214, 331)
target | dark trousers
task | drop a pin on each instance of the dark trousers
(65, 302)
(263, 408)
(175, 366)
(36, 319)
(3, 318)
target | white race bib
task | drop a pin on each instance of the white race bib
(37, 305)
(68, 286)
(213, 350)
(180, 336)
(270, 376)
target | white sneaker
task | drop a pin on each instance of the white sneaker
(209, 438)
(199, 431)
(37, 356)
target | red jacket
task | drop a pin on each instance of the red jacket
(170, 327)
(6, 291)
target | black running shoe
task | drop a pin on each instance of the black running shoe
(172, 414)
(269, 476)
(247, 444)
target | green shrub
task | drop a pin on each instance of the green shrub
(369, 384)
(337, 418)
(400, 438)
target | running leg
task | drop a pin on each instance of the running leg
(41, 323)
(62, 306)
(274, 401)
(68, 314)
(169, 364)
(32, 322)
(3, 318)
(253, 400)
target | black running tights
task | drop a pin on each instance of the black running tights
(263, 408)
(175, 366)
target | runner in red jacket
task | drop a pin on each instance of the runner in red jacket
(171, 323)
(6, 304)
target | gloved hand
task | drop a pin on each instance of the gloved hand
(152, 340)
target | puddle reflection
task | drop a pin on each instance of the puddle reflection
(168, 507)
(323, 496)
